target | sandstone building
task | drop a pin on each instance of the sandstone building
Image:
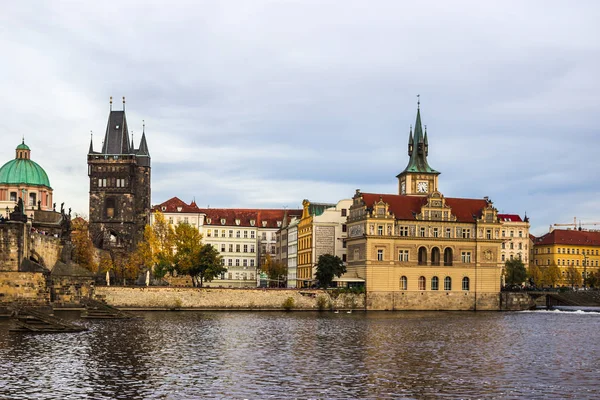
(119, 187)
(420, 249)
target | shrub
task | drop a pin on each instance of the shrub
(322, 303)
(288, 304)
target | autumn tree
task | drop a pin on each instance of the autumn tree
(83, 249)
(329, 266)
(535, 274)
(200, 262)
(514, 271)
(573, 276)
(551, 275)
(155, 251)
(275, 270)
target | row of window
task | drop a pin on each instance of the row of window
(567, 250)
(238, 233)
(590, 263)
(434, 283)
(238, 248)
(511, 246)
(244, 276)
(512, 233)
(244, 262)
(111, 182)
(403, 255)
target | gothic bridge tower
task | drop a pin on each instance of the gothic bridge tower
(418, 178)
(119, 186)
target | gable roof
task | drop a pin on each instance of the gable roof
(569, 237)
(175, 204)
(509, 218)
(407, 207)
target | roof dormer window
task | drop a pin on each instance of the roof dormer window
(222, 221)
(279, 224)
(208, 221)
(252, 222)
(163, 208)
(179, 209)
(237, 221)
(264, 224)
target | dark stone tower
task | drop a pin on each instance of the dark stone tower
(119, 187)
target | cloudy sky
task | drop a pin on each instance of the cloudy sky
(265, 103)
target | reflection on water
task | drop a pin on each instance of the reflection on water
(257, 355)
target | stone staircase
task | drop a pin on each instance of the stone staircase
(97, 310)
(31, 320)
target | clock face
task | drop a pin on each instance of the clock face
(403, 188)
(422, 187)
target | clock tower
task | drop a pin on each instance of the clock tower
(418, 178)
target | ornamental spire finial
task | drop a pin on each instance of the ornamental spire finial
(418, 101)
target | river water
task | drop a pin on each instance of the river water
(306, 355)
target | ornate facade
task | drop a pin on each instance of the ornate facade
(119, 187)
(421, 250)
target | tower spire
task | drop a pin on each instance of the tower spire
(91, 150)
(411, 142)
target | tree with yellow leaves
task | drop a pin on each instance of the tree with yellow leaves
(83, 248)
(155, 251)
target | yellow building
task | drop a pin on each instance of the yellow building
(421, 250)
(566, 248)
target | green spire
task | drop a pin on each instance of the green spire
(418, 157)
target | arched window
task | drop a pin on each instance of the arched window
(421, 283)
(403, 283)
(435, 256)
(448, 256)
(465, 283)
(435, 283)
(110, 208)
(447, 283)
(422, 256)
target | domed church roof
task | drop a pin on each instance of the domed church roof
(22, 170)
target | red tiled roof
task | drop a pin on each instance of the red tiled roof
(509, 217)
(406, 207)
(172, 205)
(569, 237)
(245, 215)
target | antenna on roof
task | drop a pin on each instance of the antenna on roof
(110, 103)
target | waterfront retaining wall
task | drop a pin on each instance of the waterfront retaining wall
(513, 301)
(430, 300)
(24, 288)
(225, 299)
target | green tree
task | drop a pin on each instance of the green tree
(208, 264)
(329, 266)
(275, 270)
(514, 270)
(573, 276)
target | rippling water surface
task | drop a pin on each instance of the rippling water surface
(262, 355)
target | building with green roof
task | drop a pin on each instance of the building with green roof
(26, 179)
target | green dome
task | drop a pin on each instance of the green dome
(24, 172)
(23, 146)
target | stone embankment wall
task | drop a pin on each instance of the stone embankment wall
(429, 300)
(516, 301)
(168, 298)
(23, 288)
